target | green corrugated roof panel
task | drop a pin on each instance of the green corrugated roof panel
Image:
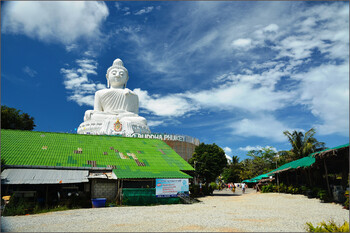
(303, 162)
(333, 148)
(50, 149)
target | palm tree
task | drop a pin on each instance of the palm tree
(302, 144)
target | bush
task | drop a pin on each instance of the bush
(17, 206)
(324, 227)
(267, 188)
(213, 185)
(322, 194)
(303, 189)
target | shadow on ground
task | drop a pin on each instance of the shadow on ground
(226, 194)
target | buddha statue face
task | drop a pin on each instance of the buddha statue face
(117, 75)
(117, 78)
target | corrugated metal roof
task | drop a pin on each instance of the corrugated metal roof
(43, 176)
(129, 157)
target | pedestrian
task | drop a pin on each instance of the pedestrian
(243, 187)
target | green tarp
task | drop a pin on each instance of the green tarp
(333, 148)
(303, 162)
(145, 196)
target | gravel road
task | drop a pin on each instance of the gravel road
(223, 212)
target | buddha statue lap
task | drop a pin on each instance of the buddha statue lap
(115, 108)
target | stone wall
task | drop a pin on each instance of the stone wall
(103, 188)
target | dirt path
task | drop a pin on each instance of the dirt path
(223, 212)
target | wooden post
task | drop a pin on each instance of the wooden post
(118, 188)
(121, 193)
(309, 176)
(47, 196)
(325, 168)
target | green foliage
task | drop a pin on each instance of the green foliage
(21, 206)
(302, 144)
(322, 194)
(267, 188)
(12, 118)
(209, 161)
(330, 227)
(232, 171)
(260, 162)
(214, 186)
(346, 203)
(17, 206)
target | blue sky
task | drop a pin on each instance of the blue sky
(232, 73)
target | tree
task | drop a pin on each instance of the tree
(12, 118)
(302, 144)
(232, 171)
(209, 161)
(261, 161)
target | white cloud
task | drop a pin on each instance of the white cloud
(227, 150)
(170, 105)
(117, 5)
(71, 47)
(29, 71)
(154, 123)
(271, 28)
(242, 43)
(264, 126)
(251, 93)
(81, 88)
(144, 10)
(325, 90)
(58, 21)
(249, 148)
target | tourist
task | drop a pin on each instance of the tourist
(243, 187)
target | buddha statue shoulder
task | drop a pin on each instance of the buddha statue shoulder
(115, 103)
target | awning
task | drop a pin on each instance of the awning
(43, 176)
(300, 163)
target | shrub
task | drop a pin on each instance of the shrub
(303, 189)
(213, 185)
(283, 188)
(267, 188)
(346, 203)
(324, 227)
(322, 194)
(17, 206)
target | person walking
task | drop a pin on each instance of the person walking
(243, 187)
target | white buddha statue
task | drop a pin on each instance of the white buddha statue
(116, 108)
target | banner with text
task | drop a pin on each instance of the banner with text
(171, 187)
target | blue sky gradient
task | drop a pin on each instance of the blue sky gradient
(232, 73)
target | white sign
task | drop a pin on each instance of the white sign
(171, 187)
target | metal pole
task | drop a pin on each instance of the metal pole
(278, 183)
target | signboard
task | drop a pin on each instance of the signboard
(171, 187)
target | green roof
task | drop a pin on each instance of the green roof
(131, 157)
(333, 148)
(303, 162)
(257, 178)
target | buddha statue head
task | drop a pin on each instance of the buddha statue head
(117, 75)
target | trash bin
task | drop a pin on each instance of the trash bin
(98, 202)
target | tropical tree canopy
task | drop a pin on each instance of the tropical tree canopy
(260, 162)
(232, 171)
(302, 144)
(209, 160)
(12, 118)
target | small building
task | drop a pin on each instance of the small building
(51, 167)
